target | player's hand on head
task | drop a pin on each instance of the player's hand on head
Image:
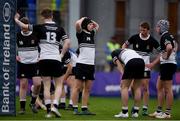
(17, 16)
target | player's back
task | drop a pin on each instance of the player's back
(51, 36)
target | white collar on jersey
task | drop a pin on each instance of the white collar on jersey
(49, 22)
(86, 31)
(144, 38)
(26, 33)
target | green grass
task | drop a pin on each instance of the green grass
(104, 107)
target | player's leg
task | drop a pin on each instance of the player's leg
(70, 82)
(160, 98)
(22, 94)
(167, 77)
(57, 94)
(85, 98)
(125, 84)
(75, 92)
(145, 93)
(47, 97)
(62, 104)
(35, 92)
(137, 97)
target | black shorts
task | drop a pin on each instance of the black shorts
(134, 69)
(27, 70)
(73, 70)
(64, 70)
(84, 71)
(51, 68)
(167, 71)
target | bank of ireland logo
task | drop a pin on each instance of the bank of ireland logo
(6, 12)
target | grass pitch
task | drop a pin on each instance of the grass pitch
(104, 107)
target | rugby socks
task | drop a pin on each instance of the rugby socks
(135, 109)
(84, 108)
(124, 110)
(159, 109)
(63, 100)
(75, 107)
(168, 111)
(55, 103)
(70, 102)
(145, 108)
(48, 105)
(22, 104)
(33, 98)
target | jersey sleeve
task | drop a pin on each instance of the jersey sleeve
(63, 34)
(34, 28)
(129, 41)
(156, 44)
(67, 58)
(115, 55)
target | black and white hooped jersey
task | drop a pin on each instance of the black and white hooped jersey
(124, 55)
(66, 58)
(69, 57)
(27, 46)
(51, 37)
(143, 46)
(86, 47)
(166, 39)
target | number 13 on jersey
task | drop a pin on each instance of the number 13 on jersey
(51, 37)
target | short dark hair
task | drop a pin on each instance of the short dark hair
(24, 20)
(145, 25)
(47, 13)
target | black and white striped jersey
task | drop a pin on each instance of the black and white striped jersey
(86, 47)
(51, 37)
(27, 47)
(143, 46)
(69, 57)
(167, 38)
(124, 55)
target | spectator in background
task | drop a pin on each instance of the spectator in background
(109, 48)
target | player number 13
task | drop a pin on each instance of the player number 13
(51, 37)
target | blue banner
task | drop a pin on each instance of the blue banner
(7, 57)
(108, 84)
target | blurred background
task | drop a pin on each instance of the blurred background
(118, 20)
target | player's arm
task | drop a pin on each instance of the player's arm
(19, 23)
(96, 25)
(128, 42)
(124, 46)
(78, 24)
(154, 62)
(120, 66)
(66, 46)
(169, 49)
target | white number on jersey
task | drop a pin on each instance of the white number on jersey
(51, 37)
